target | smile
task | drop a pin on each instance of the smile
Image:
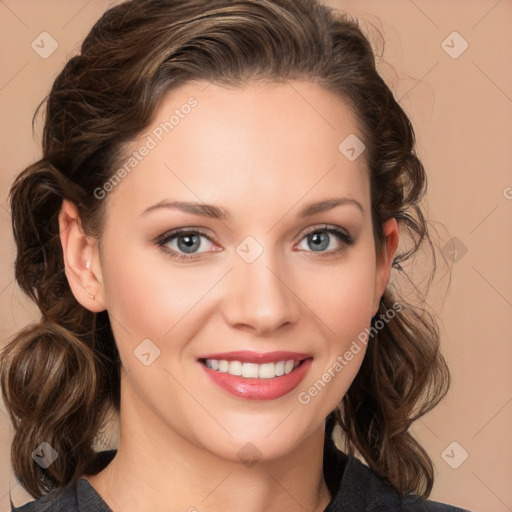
(256, 376)
(252, 370)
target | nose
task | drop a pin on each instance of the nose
(260, 297)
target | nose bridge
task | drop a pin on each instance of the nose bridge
(258, 295)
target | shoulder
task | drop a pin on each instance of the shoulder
(78, 496)
(361, 487)
(58, 500)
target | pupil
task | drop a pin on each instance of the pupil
(189, 243)
(320, 241)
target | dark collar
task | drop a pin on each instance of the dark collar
(353, 486)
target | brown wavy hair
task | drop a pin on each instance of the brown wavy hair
(60, 377)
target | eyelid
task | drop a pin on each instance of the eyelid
(172, 234)
(325, 227)
(347, 240)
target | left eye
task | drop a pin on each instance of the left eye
(321, 240)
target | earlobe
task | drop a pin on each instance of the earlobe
(81, 259)
(391, 234)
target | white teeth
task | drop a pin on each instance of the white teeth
(288, 367)
(249, 370)
(253, 370)
(235, 367)
(267, 371)
(280, 368)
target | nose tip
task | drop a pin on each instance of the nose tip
(260, 300)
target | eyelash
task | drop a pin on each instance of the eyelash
(163, 240)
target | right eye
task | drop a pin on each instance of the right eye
(183, 243)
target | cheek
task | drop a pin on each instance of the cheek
(343, 305)
(149, 294)
(341, 296)
(150, 297)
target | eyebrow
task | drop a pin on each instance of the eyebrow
(218, 212)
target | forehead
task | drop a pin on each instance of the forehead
(263, 140)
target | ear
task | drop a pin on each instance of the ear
(81, 260)
(390, 230)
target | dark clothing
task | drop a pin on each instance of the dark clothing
(355, 487)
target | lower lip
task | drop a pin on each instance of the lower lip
(259, 389)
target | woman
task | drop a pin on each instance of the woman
(210, 237)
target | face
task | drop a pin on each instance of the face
(262, 271)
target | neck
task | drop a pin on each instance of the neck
(164, 471)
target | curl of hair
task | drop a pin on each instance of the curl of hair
(60, 377)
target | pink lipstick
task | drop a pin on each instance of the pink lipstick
(256, 376)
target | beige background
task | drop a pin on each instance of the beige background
(461, 109)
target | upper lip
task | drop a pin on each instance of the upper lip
(248, 356)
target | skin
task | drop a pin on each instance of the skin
(262, 152)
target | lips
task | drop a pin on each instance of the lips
(268, 388)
